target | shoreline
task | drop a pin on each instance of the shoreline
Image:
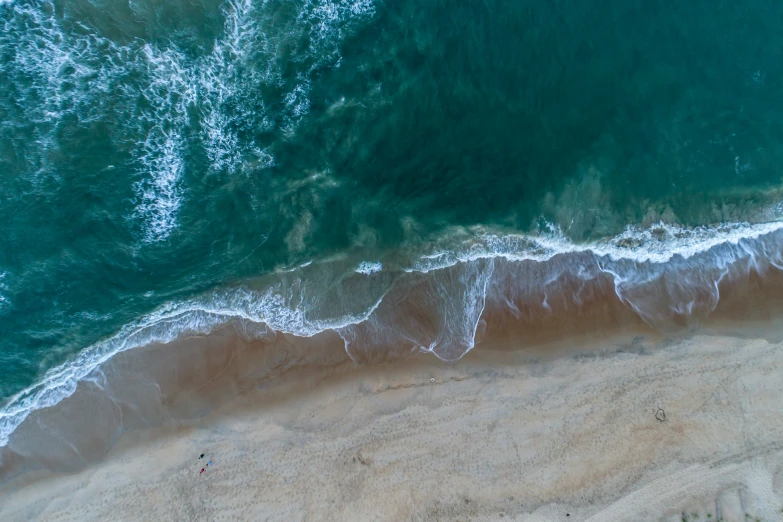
(499, 432)
(158, 396)
(450, 305)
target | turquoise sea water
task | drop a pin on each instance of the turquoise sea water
(167, 167)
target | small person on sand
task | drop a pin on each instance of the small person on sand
(201, 456)
(202, 471)
(209, 463)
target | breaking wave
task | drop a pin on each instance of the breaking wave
(439, 298)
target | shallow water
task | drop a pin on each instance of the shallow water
(391, 171)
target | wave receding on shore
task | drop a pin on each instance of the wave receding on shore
(442, 299)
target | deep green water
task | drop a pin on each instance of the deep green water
(152, 153)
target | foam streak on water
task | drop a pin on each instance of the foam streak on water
(83, 73)
(4, 302)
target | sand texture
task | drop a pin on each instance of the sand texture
(659, 430)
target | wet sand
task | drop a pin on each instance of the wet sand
(620, 428)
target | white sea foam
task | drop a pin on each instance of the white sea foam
(228, 79)
(54, 74)
(246, 57)
(85, 74)
(297, 103)
(369, 267)
(657, 244)
(5, 302)
(457, 334)
(160, 195)
(327, 19)
(169, 91)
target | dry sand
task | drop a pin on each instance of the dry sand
(655, 431)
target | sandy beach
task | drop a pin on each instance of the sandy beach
(623, 429)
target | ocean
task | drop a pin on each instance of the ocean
(407, 176)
